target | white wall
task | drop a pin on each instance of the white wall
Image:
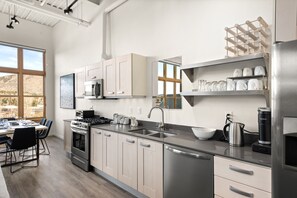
(38, 36)
(193, 29)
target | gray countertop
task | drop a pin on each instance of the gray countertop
(189, 141)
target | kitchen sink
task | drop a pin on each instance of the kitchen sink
(142, 131)
(162, 135)
(152, 133)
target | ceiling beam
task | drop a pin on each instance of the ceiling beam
(50, 11)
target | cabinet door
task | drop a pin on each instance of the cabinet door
(150, 168)
(127, 160)
(94, 72)
(96, 148)
(79, 82)
(110, 145)
(124, 75)
(67, 136)
(109, 77)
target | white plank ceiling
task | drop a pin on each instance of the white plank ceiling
(31, 15)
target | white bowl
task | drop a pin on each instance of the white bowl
(203, 133)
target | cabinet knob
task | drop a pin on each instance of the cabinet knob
(120, 92)
(110, 92)
(107, 135)
(98, 132)
(94, 77)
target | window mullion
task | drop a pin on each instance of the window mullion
(20, 83)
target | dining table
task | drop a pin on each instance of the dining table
(9, 130)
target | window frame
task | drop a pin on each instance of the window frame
(165, 79)
(20, 71)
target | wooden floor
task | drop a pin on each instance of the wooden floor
(57, 177)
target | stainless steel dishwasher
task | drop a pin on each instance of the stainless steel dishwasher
(187, 173)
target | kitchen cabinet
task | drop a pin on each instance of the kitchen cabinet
(96, 148)
(109, 78)
(110, 151)
(127, 160)
(150, 168)
(234, 178)
(285, 20)
(67, 136)
(94, 71)
(125, 76)
(252, 59)
(79, 82)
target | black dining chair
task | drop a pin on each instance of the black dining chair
(42, 137)
(23, 138)
(42, 121)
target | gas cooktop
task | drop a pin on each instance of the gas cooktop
(94, 120)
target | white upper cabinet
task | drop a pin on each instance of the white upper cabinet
(109, 78)
(94, 72)
(285, 20)
(125, 76)
(79, 82)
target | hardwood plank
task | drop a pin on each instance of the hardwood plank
(56, 176)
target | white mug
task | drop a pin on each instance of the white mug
(253, 84)
(230, 85)
(247, 72)
(259, 71)
(237, 73)
(241, 85)
(261, 84)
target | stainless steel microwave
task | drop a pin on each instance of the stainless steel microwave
(94, 89)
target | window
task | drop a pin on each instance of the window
(22, 78)
(169, 85)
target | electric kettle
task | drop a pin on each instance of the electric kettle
(235, 133)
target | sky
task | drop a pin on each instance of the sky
(33, 60)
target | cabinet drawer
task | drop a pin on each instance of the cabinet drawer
(230, 189)
(242, 172)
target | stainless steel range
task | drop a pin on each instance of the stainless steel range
(80, 146)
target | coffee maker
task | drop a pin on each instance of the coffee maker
(264, 125)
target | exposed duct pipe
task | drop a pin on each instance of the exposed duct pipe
(106, 13)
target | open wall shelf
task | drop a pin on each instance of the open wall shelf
(189, 96)
(189, 71)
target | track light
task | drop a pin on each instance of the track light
(9, 26)
(68, 9)
(14, 19)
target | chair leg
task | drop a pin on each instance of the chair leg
(48, 151)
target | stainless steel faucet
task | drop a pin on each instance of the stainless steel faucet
(161, 125)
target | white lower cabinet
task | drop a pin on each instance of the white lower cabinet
(96, 148)
(235, 178)
(134, 161)
(110, 151)
(150, 168)
(127, 160)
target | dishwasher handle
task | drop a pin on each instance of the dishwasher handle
(189, 154)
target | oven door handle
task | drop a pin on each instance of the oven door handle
(79, 131)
